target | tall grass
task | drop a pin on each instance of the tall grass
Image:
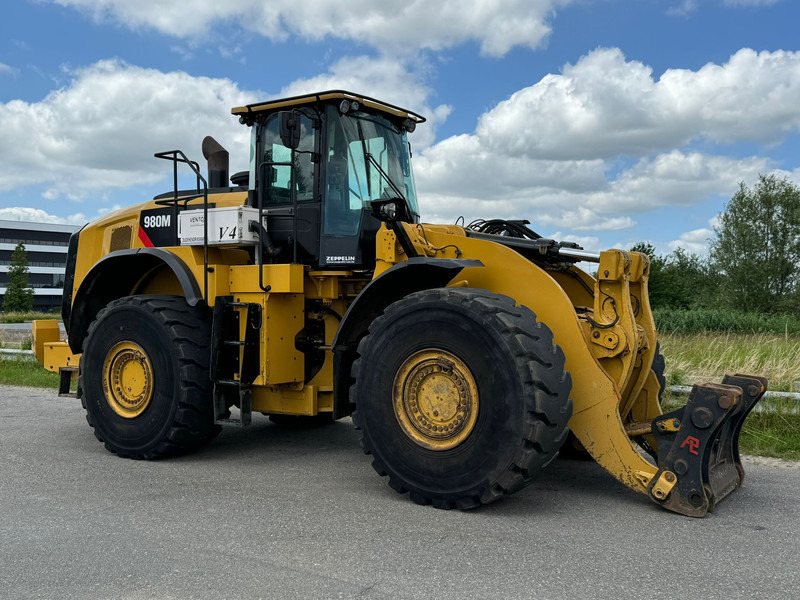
(698, 321)
(22, 317)
(708, 356)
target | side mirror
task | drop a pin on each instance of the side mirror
(290, 129)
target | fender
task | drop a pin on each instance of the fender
(412, 275)
(113, 276)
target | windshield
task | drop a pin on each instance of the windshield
(352, 179)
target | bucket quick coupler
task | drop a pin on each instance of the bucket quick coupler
(698, 445)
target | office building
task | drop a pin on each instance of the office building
(46, 248)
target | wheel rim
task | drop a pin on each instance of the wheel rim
(435, 399)
(128, 379)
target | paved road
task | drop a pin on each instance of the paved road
(267, 513)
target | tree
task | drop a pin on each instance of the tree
(18, 296)
(658, 285)
(677, 280)
(757, 248)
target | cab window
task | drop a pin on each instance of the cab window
(277, 161)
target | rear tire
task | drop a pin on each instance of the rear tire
(461, 396)
(145, 377)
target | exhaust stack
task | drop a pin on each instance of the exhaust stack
(217, 158)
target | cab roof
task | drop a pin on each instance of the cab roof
(317, 97)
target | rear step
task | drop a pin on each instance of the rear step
(698, 445)
(235, 363)
(66, 375)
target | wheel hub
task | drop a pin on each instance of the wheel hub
(435, 399)
(128, 379)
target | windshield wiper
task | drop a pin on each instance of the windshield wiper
(368, 155)
(386, 177)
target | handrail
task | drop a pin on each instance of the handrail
(177, 156)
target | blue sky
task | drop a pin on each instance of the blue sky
(605, 122)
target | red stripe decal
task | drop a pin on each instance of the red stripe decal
(144, 238)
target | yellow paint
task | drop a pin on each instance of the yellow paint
(324, 285)
(283, 316)
(597, 379)
(287, 279)
(604, 327)
(663, 485)
(435, 399)
(95, 243)
(293, 400)
(128, 379)
(160, 280)
(313, 98)
(43, 332)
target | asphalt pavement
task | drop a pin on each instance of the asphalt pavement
(267, 512)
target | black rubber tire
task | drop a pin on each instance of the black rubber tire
(658, 367)
(175, 337)
(523, 391)
(302, 421)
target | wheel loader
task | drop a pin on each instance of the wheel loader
(307, 289)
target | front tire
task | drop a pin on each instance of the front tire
(145, 378)
(461, 396)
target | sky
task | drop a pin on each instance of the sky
(602, 122)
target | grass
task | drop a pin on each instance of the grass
(22, 317)
(708, 356)
(701, 320)
(19, 371)
(773, 433)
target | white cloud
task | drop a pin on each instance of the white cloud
(737, 3)
(37, 215)
(675, 179)
(686, 7)
(585, 241)
(524, 160)
(384, 24)
(8, 70)
(385, 78)
(694, 242)
(683, 8)
(551, 152)
(605, 105)
(102, 129)
(569, 194)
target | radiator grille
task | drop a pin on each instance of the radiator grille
(120, 238)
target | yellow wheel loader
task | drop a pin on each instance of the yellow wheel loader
(307, 289)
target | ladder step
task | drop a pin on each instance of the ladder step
(65, 379)
(233, 343)
(232, 382)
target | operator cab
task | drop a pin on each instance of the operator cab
(317, 162)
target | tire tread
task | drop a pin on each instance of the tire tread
(193, 423)
(546, 387)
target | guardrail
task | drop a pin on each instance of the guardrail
(771, 402)
(14, 353)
